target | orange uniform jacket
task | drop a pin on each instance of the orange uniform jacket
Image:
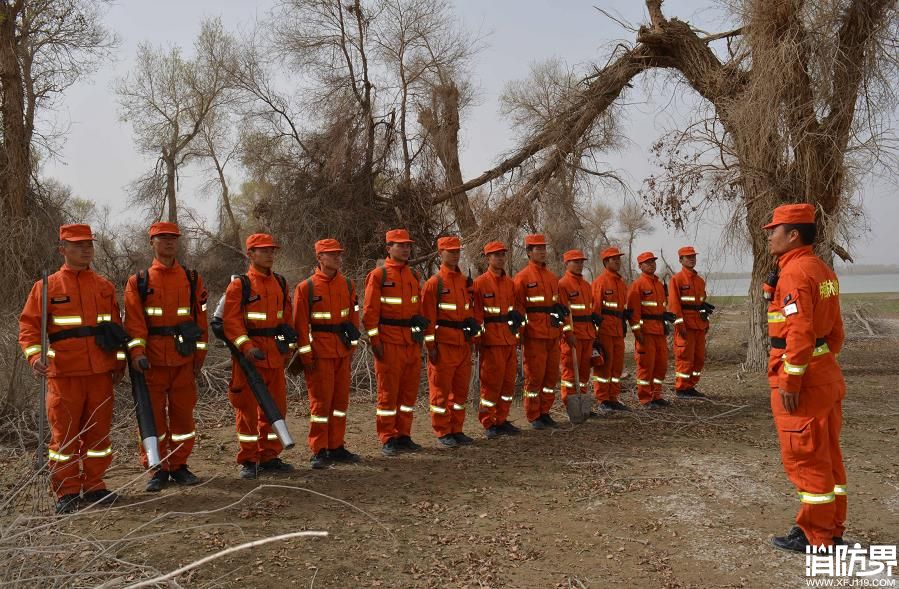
(647, 297)
(267, 308)
(536, 286)
(686, 291)
(575, 293)
(76, 299)
(609, 300)
(167, 304)
(494, 297)
(804, 323)
(398, 298)
(452, 305)
(334, 301)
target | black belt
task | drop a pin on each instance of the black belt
(395, 322)
(164, 330)
(326, 328)
(70, 333)
(651, 317)
(264, 332)
(450, 324)
(582, 318)
(613, 313)
(537, 309)
(781, 343)
(692, 307)
(496, 319)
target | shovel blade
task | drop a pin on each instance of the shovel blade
(574, 407)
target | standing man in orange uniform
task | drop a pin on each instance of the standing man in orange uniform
(165, 315)
(610, 301)
(495, 309)
(257, 308)
(646, 303)
(392, 319)
(446, 304)
(326, 307)
(537, 290)
(80, 373)
(580, 333)
(807, 386)
(686, 299)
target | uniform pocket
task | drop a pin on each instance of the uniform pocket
(797, 434)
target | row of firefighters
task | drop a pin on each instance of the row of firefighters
(571, 332)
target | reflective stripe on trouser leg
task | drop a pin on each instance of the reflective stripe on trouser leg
(497, 371)
(173, 394)
(320, 383)
(340, 404)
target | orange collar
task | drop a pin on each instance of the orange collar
(799, 252)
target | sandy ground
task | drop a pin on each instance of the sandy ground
(686, 497)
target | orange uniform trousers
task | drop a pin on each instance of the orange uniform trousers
(398, 375)
(329, 398)
(541, 374)
(173, 394)
(448, 381)
(584, 348)
(258, 443)
(607, 378)
(652, 364)
(79, 410)
(810, 450)
(497, 370)
(689, 357)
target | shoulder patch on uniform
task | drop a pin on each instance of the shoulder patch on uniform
(791, 309)
(59, 300)
(531, 284)
(788, 298)
(389, 283)
(253, 298)
(489, 295)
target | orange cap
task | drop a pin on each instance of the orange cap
(494, 246)
(327, 245)
(398, 236)
(163, 228)
(535, 239)
(792, 214)
(573, 255)
(449, 243)
(687, 250)
(76, 232)
(261, 240)
(610, 252)
(645, 257)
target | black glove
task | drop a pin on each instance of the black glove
(627, 314)
(557, 314)
(596, 319)
(771, 283)
(515, 321)
(143, 363)
(287, 336)
(418, 326)
(470, 327)
(669, 317)
(111, 336)
(258, 354)
(349, 334)
(598, 347)
(706, 309)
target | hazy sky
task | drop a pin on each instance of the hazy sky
(98, 159)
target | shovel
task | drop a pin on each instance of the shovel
(578, 405)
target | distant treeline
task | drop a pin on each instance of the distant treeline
(842, 269)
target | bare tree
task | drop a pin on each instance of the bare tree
(798, 87)
(598, 219)
(167, 98)
(45, 47)
(633, 222)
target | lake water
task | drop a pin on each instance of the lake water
(849, 283)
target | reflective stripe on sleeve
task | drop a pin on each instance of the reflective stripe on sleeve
(307, 349)
(392, 300)
(137, 342)
(182, 311)
(32, 350)
(242, 339)
(678, 320)
(649, 303)
(688, 299)
(794, 369)
(610, 304)
(256, 316)
(104, 317)
(102, 453)
(120, 355)
(447, 306)
(536, 299)
(429, 338)
(372, 332)
(840, 490)
(202, 346)
(321, 315)
(578, 307)
(153, 311)
(182, 437)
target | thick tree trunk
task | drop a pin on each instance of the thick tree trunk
(16, 144)
(170, 188)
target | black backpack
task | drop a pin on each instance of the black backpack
(143, 288)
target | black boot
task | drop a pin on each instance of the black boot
(157, 481)
(275, 465)
(793, 541)
(68, 503)
(390, 448)
(100, 497)
(320, 460)
(341, 454)
(183, 476)
(449, 441)
(406, 444)
(463, 439)
(248, 470)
